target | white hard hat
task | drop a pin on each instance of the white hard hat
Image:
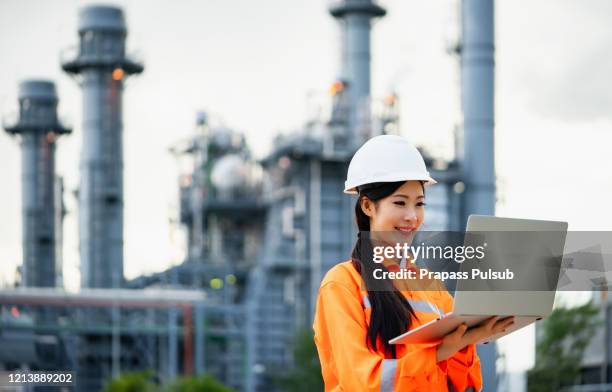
(386, 158)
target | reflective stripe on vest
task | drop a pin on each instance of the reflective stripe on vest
(387, 375)
(425, 306)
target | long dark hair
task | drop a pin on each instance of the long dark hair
(391, 311)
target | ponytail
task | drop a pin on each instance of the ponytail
(391, 311)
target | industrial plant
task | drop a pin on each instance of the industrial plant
(261, 233)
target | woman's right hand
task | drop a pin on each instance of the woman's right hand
(461, 337)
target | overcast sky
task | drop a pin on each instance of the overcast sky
(254, 63)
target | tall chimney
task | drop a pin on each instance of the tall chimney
(38, 127)
(102, 67)
(355, 17)
(477, 98)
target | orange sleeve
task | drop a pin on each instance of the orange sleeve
(346, 361)
(464, 369)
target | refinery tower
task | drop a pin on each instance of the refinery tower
(101, 67)
(38, 128)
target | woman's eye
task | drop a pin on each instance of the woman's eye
(402, 203)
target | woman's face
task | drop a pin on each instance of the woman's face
(400, 213)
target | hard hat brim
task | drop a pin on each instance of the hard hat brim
(351, 188)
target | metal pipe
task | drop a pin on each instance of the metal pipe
(477, 92)
(314, 227)
(477, 98)
(172, 344)
(110, 297)
(187, 340)
(200, 340)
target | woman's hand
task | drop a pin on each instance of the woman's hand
(461, 337)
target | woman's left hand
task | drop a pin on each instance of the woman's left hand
(462, 336)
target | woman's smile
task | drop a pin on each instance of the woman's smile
(405, 228)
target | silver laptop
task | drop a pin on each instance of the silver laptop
(531, 249)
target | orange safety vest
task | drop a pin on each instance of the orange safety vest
(340, 329)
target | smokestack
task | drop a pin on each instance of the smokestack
(477, 98)
(355, 18)
(102, 67)
(38, 128)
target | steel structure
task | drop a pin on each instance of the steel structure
(138, 329)
(38, 128)
(258, 248)
(355, 18)
(309, 222)
(477, 52)
(223, 211)
(102, 66)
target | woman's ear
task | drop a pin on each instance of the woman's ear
(367, 206)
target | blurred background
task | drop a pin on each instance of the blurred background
(173, 173)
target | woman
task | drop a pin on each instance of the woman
(355, 320)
